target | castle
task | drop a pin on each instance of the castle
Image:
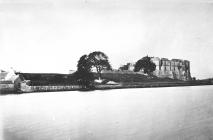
(175, 68)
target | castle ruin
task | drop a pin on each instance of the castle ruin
(165, 68)
(175, 68)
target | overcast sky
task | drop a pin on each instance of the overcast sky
(51, 35)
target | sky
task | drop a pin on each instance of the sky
(51, 35)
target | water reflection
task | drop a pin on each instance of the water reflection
(149, 113)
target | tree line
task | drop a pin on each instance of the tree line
(99, 61)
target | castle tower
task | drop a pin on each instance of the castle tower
(156, 60)
(187, 69)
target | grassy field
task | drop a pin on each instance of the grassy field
(126, 79)
(49, 82)
(39, 79)
(67, 79)
(133, 77)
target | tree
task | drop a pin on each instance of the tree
(83, 74)
(99, 61)
(125, 67)
(145, 64)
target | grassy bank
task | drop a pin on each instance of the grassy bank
(154, 84)
(105, 87)
(39, 79)
(45, 79)
(40, 82)
(133, 77)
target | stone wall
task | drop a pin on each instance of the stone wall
(26, 88)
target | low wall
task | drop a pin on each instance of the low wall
(108, 86)
(26, 88)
